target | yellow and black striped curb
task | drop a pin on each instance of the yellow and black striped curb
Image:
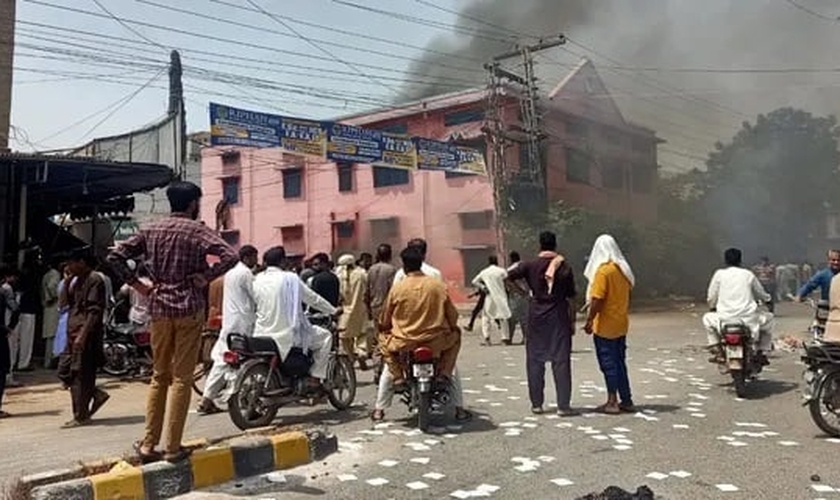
(244, 457)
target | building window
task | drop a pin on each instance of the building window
(577, 167)
(345, 177)
(230, 158)
(643, 178)
(231, 237)
(476, 220)
(384, 230)
(292, 183)
(345, 229)
(612, 177)
(612, 136)
(395, 128)
(474, 261)
(386, 176)
(640, 145)
(577, 127)
(230, 190)
(463, 116)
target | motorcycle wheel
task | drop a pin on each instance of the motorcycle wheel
(424, 411)
(116, 360)
(341, 389)
(830, 382)
(739, 380)
(245, 408)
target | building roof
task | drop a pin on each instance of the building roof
(572, 95)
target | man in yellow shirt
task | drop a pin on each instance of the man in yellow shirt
(610, 282)
(418, 312)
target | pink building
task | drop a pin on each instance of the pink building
(309, 205)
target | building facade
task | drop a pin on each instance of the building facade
(593, 159)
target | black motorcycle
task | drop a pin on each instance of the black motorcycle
(425, 394)
(128, 349)
(264, 382)
(822, 385)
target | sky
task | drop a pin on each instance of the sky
(54, 89)
(691, 70)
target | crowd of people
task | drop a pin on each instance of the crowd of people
(381, 308)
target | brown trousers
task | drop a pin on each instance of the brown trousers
(445, 348)
(175, 346)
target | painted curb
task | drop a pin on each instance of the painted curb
(243, 457)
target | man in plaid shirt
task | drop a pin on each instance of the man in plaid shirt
(766, 274)
(175, 250)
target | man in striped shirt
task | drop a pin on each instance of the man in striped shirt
(175, 250)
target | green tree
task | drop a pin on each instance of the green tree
(768, 189)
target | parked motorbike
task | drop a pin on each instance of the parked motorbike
(821, 392)
(740, 356)
(128, 349)
(263, 382)
(425, 394)
(820, 318)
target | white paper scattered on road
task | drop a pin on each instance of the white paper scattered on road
(434, 476)
(751, 424)
(421, 460)
(822, 488)
(680, 426)
(622, 447)
(378, 481)
(680, 474)
(347, 477)
(657, 475)
(788, 443)
(417, 485)
(562, 482)
(726, 487)
(389, 463)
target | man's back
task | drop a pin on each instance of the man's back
(380, 279)
(268, 296)
(732, 292)
(238, 306)
(327, 285)
(418, 307)
(426, 269)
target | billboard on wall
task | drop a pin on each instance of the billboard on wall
(338, 142)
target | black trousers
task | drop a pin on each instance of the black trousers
(477, 309)
(2, 387)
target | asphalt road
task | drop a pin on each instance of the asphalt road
(693, 440)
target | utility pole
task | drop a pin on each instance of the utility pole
(531, 175)
(7, 51)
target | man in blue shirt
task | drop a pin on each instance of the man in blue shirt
(822, 279)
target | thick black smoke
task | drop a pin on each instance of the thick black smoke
(664, 34)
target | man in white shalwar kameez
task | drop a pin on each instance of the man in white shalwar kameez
(734, 294)
(279, 295)
(238, 316)
(496, 312)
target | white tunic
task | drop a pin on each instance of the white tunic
(496, 304)
(238, 307)
(425, 269)
(275, 316)
(734, 293)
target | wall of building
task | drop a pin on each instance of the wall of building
(325, 219)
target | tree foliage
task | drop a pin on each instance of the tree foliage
(768, 189)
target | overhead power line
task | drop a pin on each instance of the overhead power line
(812, 12)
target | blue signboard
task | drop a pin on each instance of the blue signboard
(353, 144)
(436, 155)
(239, 127)
(337, 142)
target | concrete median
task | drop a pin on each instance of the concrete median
(240, 457)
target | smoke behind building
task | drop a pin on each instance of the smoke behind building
(724, 39)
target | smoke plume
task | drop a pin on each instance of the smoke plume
(725, 37)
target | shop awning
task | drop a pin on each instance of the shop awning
(56, 184)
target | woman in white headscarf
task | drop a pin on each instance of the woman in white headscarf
(610, 281)
(351, 325)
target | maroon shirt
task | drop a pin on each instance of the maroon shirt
(173, 249)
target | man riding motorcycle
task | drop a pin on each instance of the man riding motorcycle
(733, 295)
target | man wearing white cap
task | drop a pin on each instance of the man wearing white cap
(351, 325)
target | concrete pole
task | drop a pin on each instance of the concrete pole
(7, 50)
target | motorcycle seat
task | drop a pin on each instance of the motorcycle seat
(243, 343)
(828, 350)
